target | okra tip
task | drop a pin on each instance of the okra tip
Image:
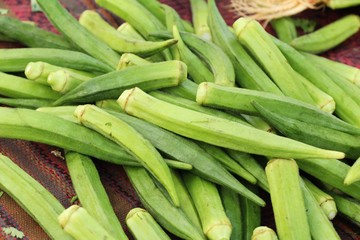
(66, 215)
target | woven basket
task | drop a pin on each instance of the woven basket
(44, 163)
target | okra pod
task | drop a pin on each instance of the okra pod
(287, 199)
(31, 35)
(143, 226)
(36, 200)
(36, 126)
(285, 28)
(77, 34)
(328, 36)
(254, 37)
(109, 104)
(199, 13)
(31, 103)
(63, 81)
(91, 193)
(119, 42)
(264, 233)
(128, 30)
(155, 7)
(158, 205)
(215, 223)
(231, 204)
(347, 207)
(78, 223)
(131, 140)
(129, 59)
(147, 77)
(64, 112)
(353, 173)
(18, 87)
(16, 59)
(338, 4)
(325, 201)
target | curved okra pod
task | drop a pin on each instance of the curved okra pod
(91, 193)
(131, 140)
(16, 59)
(239, 99)
(147, 77)
(214, 130)
(78, 223)
(77, 34)
(42, 127)
(329, 36)
(18, 87)
(93, 22)
(36, 200)
(143, 226)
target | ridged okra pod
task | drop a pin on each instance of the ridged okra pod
(348, 207)
(31, 125)
(77, 34)
(287, 199)
(325, 201)
(231, 203)
(37, 201)
(207, 128)
(78, 223)
(199, 13)
(131, 140)
(91, 193)
(264, 233)
(353, 173)
(215, 224)
(158, 205)
(143, 226)
(328, 36)
(285, 28)
(18, 87)
(185, 151)
(254, 37)
(147, 77)
(320, 225)
(16, 59)
(119, 42)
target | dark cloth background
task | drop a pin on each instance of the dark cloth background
(50, 170)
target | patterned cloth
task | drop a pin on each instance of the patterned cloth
(44, 163)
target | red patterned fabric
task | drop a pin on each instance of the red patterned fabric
(50, 170)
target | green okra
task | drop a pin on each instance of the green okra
(185, 151)
(155, 7)
(16, 59)
(240, 99)
(353, 173)
(215, 223)
(186, 203)
(128, 30)
(346, 108)
(320, 225)
(325, 201)
(264, 233)
(64, 112)
(36, 200)
(247, 72)
(147, 77)
(79, 224)
(287, 199)
(338, 4)
(313, 134)
(258, 123)
(130, 11)
(172, 218)
(31, 35)
(285, 28)
(31, 103)
(131, 140)
(231, 204)
(214, 130)
(228, 162)
(254, 37)
(63, 81)
(143, 226)
(328, 36)
(186, 89)
(175, 164)
(248, 162)
(109, 104)
(197, 69)
(31, 125)
(93, 22)
(199, 13)
(331, 172)
(91, 193)
(77, 34)
(19, 87)
(343, 71)
(347, 207)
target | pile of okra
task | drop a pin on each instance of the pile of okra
(201, 115)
